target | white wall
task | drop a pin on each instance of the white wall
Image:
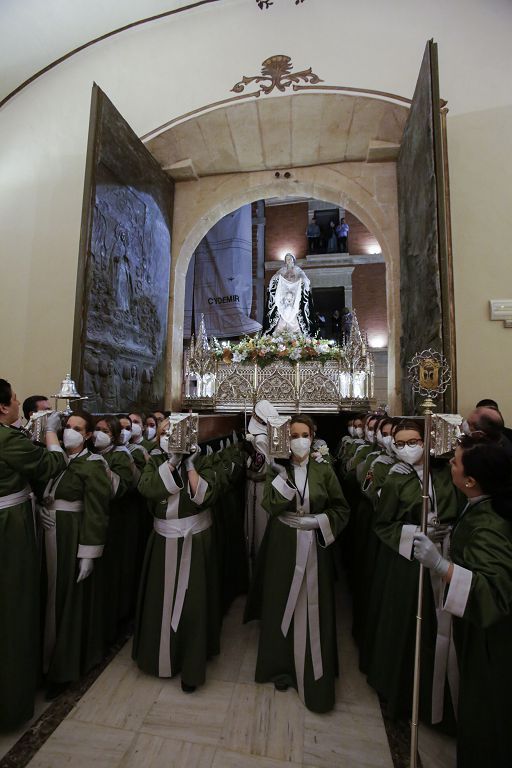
(162, 70)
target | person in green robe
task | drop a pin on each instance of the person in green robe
(22, 464)
(149, 433)
(177, 625)
(115, 578)
(478, 575)
(74, 514)
(136, 505)
(293, 590)
(374, 471)
(395, 584)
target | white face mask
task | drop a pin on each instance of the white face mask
(300, 446)
(136, 429)
(164, 444)
(351, 431)
(72, 438)
(411, 454)
(150, 433)
(465, 428)
(101, 440)
(386, 442)
(370, 434)
(125, 436)
(358, 432)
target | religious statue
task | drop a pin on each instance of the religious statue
(289, 301)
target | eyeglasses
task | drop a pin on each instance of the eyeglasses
(411, 443)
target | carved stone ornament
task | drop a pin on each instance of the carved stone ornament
(276, 72)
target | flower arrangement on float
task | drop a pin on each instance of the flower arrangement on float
(263, 349)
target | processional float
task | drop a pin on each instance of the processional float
(295, 373)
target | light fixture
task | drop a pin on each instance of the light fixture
(377, 340)
(501, 309)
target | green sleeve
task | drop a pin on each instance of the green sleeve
(97, 496)
(488, 555)
(121, 464)
(151, 485)
(33, 462)
(337, 510)
(273, 501)
(391, 510)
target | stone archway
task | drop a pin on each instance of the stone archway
(367, 190)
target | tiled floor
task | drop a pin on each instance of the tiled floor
(130, 720)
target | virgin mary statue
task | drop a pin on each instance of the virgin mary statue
(289, 301)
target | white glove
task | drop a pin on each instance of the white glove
(317, 457)
(174, 459)
(401, 468)
(302, 523)
(209, 450)
(191, 460)
(235, 438)
(308, 522)
(54, 422)
(278, 468)
(261, 445)
(384, 459)
(426, 552)
(85, 566)
(46, 519)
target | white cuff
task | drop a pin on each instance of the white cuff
(114, 480)
(325, 528)
(167, 478)
(55, 448)
(89, 551)
(407, 540)
(283, 487)
(458, 591)
(201, 489)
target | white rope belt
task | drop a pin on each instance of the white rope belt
(62, 505)
(172, 530)
(302, 605)
(13, 499)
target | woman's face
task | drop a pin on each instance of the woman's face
(79, 425)
(386, 430)
(125, 423)
(102, 426)
(150, 422)
(289, 260)
(460, 480)
(299, 430)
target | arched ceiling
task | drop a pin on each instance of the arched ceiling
(33, 33)
(282, 132)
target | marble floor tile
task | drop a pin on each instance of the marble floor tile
(198, 717)
(349, 737)
(120, 698)
(235, 640)
(266, 722)
(82, 745)
(436, 749)
(225, 759)
(248, 666)
(148, 751)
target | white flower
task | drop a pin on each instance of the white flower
(323, 349)
(295, 354)
(239, 357)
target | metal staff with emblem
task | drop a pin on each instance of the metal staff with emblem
(429, 375)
